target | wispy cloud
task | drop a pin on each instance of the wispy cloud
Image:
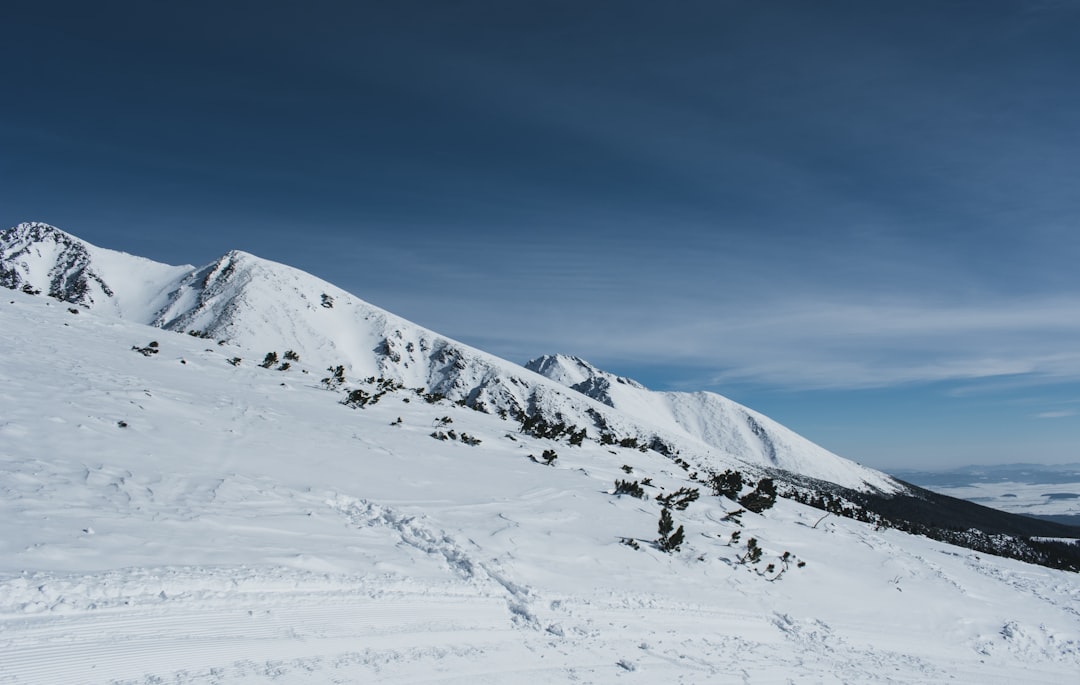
(1055, 414)
(802, 344)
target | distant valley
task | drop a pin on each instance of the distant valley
(1050, 492)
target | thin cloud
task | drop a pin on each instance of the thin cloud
(1055, 414)
(817, 345)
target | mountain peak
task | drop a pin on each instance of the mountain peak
(34, 231)
(38, 257)
(579, 374)
(712, 419)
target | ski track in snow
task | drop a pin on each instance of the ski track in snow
(414, 533)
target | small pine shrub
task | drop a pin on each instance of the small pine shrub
(284, 366)
(549, 457)
(632, 488)
(336, 378)
(680, 499)
(358, 398)
(727, 484)
(291, 356)
(235, 361)
(671, 538)
(753, 552)
(761, 498)
(269, 360)
(147, 351)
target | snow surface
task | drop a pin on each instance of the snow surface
(173, 518)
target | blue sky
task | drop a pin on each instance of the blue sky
(857, 217)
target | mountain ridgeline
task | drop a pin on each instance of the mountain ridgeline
(254, 307)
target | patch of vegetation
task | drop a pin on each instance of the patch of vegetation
(727, 484)
(760, 498)
(632, 488)
(336, 378)
(671, 538)
(957, 522)
(753, 552)
(539, 427)
(680, 499)
(453, 435)
(150, 349)
(359, 398)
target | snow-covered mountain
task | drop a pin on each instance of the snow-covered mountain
(254, 304)
(170, 516)
(713, 419)
(36, 257)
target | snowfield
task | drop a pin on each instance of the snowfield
(173, 518)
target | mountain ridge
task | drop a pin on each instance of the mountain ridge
(708, 417)
(250, 302)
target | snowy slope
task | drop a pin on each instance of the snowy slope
(40, 257)
(713, 419)
(175, 518)
(249, 303)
